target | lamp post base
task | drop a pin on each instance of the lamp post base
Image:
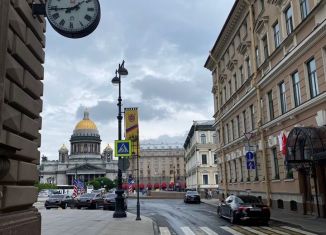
(119, 205)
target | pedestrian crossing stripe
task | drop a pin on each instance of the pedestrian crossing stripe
(240, 230)
(122, 148)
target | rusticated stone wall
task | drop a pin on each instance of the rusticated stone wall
(22, 41)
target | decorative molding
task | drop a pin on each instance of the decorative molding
(222, 77)
(242, 48)
(230, 65)
(261, 23)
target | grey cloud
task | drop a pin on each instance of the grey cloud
(106, 111)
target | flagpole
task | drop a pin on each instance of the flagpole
(138, 204)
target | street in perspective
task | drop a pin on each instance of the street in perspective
(163, 117)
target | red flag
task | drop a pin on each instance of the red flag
(284, 139)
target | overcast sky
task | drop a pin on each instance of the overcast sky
(165, 44)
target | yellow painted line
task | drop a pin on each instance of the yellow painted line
(253, 230)
(275, 230)
(298, 230)
(230, 230)
(208, 231)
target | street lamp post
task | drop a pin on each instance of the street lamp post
(119, 204)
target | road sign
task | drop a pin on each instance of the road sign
(122, 148)
(123, 164)
(250, 156)
(251, 165)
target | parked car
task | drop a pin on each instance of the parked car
(109, 201)
(192, 196)
(90, 200)
(59, 200)
(243, 208)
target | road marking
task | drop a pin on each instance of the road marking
(275, 230)
(208, 231)
(298, 230)
(253, 230)
(230, 230)
(187, 231)
(164, 231)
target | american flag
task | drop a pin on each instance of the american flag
(130, 182)
(78, 184)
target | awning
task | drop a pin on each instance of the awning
(305, 145)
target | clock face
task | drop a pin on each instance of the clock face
(73, 18)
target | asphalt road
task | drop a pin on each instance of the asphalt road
(177, 218)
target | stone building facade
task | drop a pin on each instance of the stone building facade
(160, 163)
(22, 41)
(200, 156)
(85, 162)
(268, 67)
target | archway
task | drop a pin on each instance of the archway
(306, 152)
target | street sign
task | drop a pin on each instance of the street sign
(123, 164)
(251, 165)
(122, 148)
(250, 156)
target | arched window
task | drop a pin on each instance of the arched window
(203, 138)
(293, 205)
(280, 204)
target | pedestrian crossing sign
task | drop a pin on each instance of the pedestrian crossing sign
(122, 148)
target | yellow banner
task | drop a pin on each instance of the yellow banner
(132, 129)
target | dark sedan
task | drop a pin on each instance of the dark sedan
(192, 196)
(90, 200)
(243, 208)
(109, 201)
(59, 200)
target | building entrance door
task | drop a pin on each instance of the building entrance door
(308, 199)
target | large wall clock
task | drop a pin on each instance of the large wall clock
(73, 18)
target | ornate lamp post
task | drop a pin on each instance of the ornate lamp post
(119, 205)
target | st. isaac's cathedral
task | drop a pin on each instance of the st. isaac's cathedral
(85, 160)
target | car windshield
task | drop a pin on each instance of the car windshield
(86, 195)
(248, 200)
(56, 196)
(192, 193)
(110, 195)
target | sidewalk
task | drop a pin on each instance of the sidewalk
(311, 223)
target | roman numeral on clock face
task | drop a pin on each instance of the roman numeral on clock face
(55, 16)
(87, 17)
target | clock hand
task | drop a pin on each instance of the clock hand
(58, 8)
(69, 9)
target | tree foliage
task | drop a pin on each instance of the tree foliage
(42, 186)
(102, 182)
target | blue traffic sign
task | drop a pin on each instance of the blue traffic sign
(122, 148)
(250, 156)
(251, 165)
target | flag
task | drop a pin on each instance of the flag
(132, 128)
(78, 184)
(284, 140)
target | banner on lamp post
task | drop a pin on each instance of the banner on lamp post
(132, 129)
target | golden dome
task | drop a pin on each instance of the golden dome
(86, 123)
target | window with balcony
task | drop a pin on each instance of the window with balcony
(248, 67)
(230, 89)
(244, 121)
(215, 158)
(270, 105)
(296, 89)
(276, 166)
(224, 95)
(252, 117)
(205, 179)
(265, 47)
(241, 75)
(238, 125)
(216, 178)
(312, 76)
(203, 138)
(282, 97)
(232, 130)
(277, 35)
(304, 8)
(204, 159)
(288, 13)
(235, 82)
(228, 133)
(257, 57)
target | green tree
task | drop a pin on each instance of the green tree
(96, 184)
(42, 186)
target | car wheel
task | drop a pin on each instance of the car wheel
(219, 212)
(265, 222)
(78, 207)
(48, 208)
(64, 206)
(233, 218)
(96, 206)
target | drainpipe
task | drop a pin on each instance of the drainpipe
(259, 107)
